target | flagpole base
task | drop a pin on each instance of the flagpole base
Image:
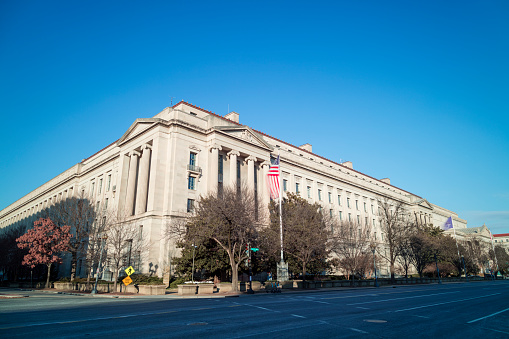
(282, 271)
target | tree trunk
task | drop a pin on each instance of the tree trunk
(303, 271)
(115, 281)
(74, 261)
(393, 279)
(235, 278)
(49, 271)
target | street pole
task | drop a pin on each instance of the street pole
(250, 290)
(31, 281)
(464, 268)
(130, 247)
(103, 240)
(373, 249)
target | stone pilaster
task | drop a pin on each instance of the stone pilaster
(233, 167)
(131, 183)
(143, 174)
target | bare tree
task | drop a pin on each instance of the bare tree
(395, 226)
(78, 213)
(350, 242)
(305, 232)
(124, 238)
(229, 219)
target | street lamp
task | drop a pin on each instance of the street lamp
(192, 270)
(464, 269)
(103, 240)
(373, 249)
(438, 271)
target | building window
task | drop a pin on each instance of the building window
(192, 159)
(108, 183)
(330, 198)
(320, 195)
(220, 168)
(330, 213)
(97, 206)
(92, 188)
(297, 190)
(309, 191)
(366, 221)
(285, 183)
(340, 215)
(339, 200)
(349, 216)
(348, 202)
(375, 237)
(358, 220)
(373, 222)
(191, 183)
(106, 203)
(357, 205)
(100, 185)
(190, 205)
(365, 208)
(372, 209)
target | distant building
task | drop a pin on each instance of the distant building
(158, 169)
(502, 240)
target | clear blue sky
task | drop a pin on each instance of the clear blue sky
(414, 92)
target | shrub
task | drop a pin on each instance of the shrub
(143, 279)
(177, 281)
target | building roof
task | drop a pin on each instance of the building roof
(472, 230)
(501, 235)
(286, 143)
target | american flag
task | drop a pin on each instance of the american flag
(273, 179)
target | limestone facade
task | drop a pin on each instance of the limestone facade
(158, 169)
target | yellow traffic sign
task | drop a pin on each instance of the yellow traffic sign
(130, 270)
(127, 280)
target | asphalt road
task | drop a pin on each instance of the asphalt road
(476, 309)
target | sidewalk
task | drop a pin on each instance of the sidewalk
(172, 294)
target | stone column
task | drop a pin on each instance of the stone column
(233, 167)
(142, 194)
(131, 183)
(250, 160)
(213, 166)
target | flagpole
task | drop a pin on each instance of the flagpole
(280, 207)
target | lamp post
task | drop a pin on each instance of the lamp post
(373, 249)
(192, 270)
(103, 240)
(464, 268)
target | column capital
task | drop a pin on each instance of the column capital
(133, 152)
(215, 146)
(250, 158)
(146, 146)
(266, 163)
(233, 152)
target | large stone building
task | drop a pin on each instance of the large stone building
(161, 165)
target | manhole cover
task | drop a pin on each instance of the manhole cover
(377, 321)
(197, 324)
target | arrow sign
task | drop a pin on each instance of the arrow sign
(254, 249)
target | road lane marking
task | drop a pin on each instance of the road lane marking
(402, 298)
(298, 316)
(446, 302)
(363, 308)
(85, 320)
(488, 316)
(360, 331)
(421, 316)
(321, 302)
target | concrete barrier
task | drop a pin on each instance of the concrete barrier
(187, 289)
